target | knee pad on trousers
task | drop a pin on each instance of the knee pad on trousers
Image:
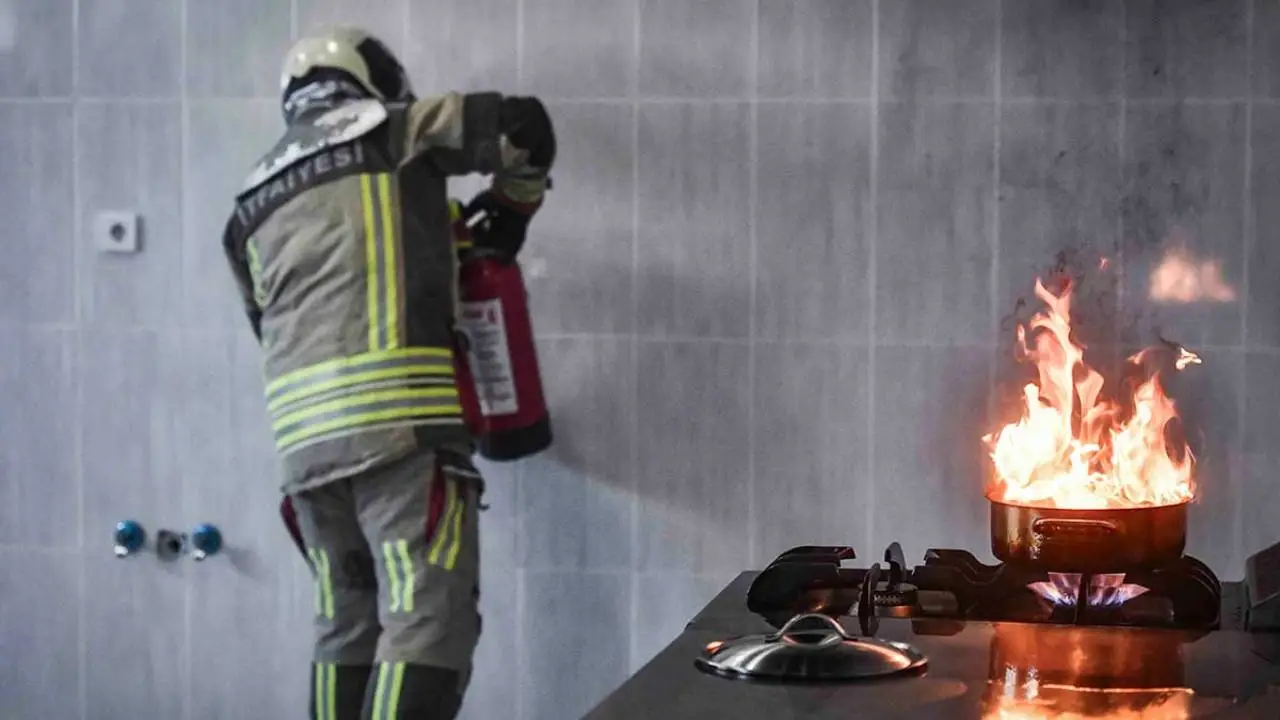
(419, 692)
(338, 691)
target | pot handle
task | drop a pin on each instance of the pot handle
(830, 622)
(1075, 528)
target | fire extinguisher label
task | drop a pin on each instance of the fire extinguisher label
(489, 357)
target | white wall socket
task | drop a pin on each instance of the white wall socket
(116, 231)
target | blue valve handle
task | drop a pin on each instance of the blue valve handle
(129, 537)
(206, 540)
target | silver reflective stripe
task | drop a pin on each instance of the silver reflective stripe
(354, 414)
(308, 399)
(327, 375)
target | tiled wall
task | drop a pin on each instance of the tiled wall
(768, 285)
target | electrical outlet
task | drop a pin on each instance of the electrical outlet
(116, 231)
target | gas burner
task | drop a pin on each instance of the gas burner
(954, 585)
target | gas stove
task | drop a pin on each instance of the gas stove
(819, 635)
(952, 586)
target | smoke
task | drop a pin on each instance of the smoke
(8, 26)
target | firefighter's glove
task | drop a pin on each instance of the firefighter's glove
(503, 226)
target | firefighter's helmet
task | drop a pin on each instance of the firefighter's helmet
(352, 52)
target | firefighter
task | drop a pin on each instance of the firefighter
(340, 245)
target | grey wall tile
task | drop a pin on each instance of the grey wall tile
(131, 159)
(38, 483)
(692, 478)
(936, 217)
(579, 48)
(664, 604)
(1262, 402)
(931, 467)
(1263, 261)
(1184, 187)
(462, 45)
(499, 525)
(937, 48)
(1062, 48)
(235, 48)
(386, 19)
(586, 640)
(35, 169)
(35, 48)
(135, 634)
(577, 508)
(253, 446)
(115, 60)
(701, 49)
(259, 580)
(1259, 507)
(1266, 49)
(225, 138)
(815, 49)
(1186, 49)
(128, 408)
(811, 411)
(261, 674)
(813, 247)
(492, 692)
(578, 259)
(1209, 399)
(40, 628)
(1060, 190)
(694, 203)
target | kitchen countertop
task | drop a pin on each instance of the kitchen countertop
(1223, 674)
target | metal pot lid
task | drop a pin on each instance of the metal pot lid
(825, 652)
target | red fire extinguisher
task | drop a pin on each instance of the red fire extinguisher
(495, 359)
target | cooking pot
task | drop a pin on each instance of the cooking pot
(1106, 540)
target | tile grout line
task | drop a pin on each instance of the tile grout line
(1242, 416)
(624, 100)
(518, 515)
(77, 416)
(1121, 123)
(996, 192)
(634, 429)
(184, 138)
(753, 272)
(874, 232)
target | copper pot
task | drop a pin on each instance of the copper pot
(1107, 540)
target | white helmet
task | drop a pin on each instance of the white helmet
(350, 51)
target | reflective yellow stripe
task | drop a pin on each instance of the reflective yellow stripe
(393, 576)
(379, 690)
(442, 531)
(371, 258)
(443, 413)
(391, 274)
(367, 398)
(324, 587)
(342, 365)
(319, 588)
(406, 564)
(321, 707)
(359, 378)
(331, 692)
(397, 681)
(255, 273)
(457, 534)
(328, 587)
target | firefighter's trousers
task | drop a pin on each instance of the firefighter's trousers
(396, 560)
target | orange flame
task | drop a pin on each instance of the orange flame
(1073, 448)
(1180, 278)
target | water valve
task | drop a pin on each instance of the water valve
(129, 538)
(206, 540)
(170, 545)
